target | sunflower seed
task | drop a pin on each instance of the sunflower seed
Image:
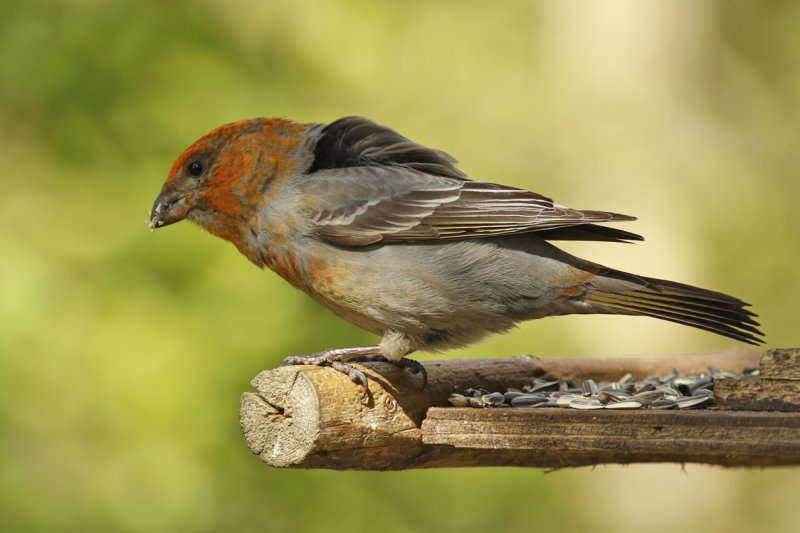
(565, 384)
(606, 397)
(585, 403)
(565, 400)
(648, 397)
(458, 400)
(702, 383)
(626, 379)
(663, 403)
(646, 387)
(669, 389)
(703, 392)
(691, 401)
(672, 390)
(728, 374)
(493, 399)
(752, 371)
(673, 373)
(615, 391)
(528, 400)
(511, 394)
(625, 404)
(589, 388)
(542, 386)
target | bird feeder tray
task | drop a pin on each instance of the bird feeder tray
(315, 417)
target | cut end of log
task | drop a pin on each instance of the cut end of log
(280, 422)
(313, 417)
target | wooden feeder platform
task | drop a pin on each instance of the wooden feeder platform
(315, 417)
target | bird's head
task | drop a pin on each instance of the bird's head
(220, 180)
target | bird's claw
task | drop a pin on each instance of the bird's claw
(355, 375)
(292, 360)
(412, 365)
(333, 361)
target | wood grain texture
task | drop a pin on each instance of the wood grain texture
(758, 395)
(781, 363)
(314, 417)
(776, 389)
(563, 437)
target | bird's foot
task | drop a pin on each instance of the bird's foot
(412, 365)
(333, 358)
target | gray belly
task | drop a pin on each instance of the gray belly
(443, 294)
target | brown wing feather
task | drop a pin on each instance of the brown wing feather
(364, 205)
(490, 209)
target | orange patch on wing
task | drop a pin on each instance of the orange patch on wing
(572, 291)
(320, 272)
(575, 283)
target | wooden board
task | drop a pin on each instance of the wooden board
(552, 437)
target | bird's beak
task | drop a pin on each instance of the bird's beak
(169, 208)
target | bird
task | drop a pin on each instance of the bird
(392, 237)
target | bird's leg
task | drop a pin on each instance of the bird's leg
(333, 358)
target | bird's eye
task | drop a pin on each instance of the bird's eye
(196, 168)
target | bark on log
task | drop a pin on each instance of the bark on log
(781, 363)
(311, 417)
(776, 389)
(758, 395)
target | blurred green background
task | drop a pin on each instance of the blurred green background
(123, 354)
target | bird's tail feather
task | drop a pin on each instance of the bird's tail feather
(619, 292)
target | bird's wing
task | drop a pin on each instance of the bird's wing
(363, 205)
(357, 141)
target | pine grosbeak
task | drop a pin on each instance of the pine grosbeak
(392, 237)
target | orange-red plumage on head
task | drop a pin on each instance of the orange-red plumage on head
(242, 164)
(274, 138)
(208, 143)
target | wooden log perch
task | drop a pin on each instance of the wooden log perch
(312, 417)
